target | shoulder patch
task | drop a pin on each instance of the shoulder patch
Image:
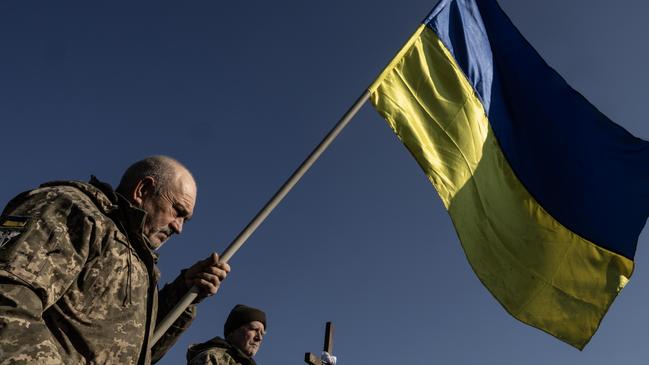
(10, 227)
(12, 221)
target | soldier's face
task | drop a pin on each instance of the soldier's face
(248, 337)
(168, 211)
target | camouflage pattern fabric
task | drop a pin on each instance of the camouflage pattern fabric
(78, 282)
(217, 351)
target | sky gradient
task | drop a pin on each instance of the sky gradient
(241, 93)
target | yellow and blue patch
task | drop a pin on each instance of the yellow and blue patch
(10, 228)
(13, 222)
(547, 195)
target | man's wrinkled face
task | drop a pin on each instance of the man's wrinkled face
(248, 337)
(169, 210)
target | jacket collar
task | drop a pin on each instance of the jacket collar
(219, 342)
(128, 218)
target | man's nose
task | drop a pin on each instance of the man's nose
(177, 225)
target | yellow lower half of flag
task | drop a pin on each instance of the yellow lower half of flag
(541, 272)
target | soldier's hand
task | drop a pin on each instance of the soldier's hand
(207, 276)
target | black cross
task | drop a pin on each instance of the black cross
(312, 359)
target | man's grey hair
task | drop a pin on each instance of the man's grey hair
(162, 168)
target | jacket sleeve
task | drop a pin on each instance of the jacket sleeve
(168, 297)
(38, 261)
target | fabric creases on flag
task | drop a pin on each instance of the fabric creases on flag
(546, 194)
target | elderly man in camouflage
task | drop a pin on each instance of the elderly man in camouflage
(244, 330)
(78, 275)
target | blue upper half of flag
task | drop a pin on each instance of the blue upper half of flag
(589, 173)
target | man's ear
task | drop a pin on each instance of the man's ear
(143, 189)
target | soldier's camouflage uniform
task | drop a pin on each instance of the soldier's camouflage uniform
(78, 280)
(217, 351)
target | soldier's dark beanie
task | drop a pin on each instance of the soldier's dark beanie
(240, 315)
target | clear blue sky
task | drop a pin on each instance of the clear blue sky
(241, 92)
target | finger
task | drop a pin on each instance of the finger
(211, 278)
(211, 260)
(221, 274)
(224, 266)
(215, 270)
(214, 258)
(207, 287)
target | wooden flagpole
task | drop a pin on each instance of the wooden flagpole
(191, 295)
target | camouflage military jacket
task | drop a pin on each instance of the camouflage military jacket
(217, 351)
(78, 280)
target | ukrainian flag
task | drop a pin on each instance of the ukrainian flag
(547, 195)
